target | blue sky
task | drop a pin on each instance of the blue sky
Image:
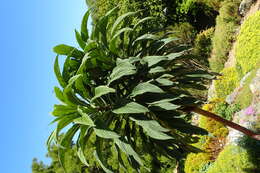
(29, 30)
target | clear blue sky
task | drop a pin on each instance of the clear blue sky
(29, 30)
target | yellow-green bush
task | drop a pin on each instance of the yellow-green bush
(185, 32)
(195, 162)
(226, 25)
(247, 49)
(233, 159)
(227, 82)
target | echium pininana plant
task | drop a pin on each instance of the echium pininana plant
(127, 88)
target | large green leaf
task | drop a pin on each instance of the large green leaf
(123, 68)
(102, 90)
(119, 20)
(166, 106)
(142, 21)
(59, 94)
(157, 69)
(98, 156)
(80, 41)
(128, 150)
(106, 133)
(173, 56)
(152, 60)
(81, 156)
(62, 110)
(84, 119)
(145, 37)
(153, 129)
(63, 49)
(58, 73)
(131, 108)
(84, 26)
(164, 82)
(145, 87)
(66, 143)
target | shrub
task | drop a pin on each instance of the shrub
(248, 42)
(233, 159)
(225, 110)
(196, 162)
(227, 82)
(203, 46)
(185, 32)
(226, 24)
(215, 4)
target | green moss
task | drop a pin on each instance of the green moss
(226, 24)
(233, 159)
(247, 48)
(227, 82)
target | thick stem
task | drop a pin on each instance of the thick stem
(224, 121)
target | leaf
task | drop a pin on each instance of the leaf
(61, 110)
(81, 156)
(65, 143)
(128, 150)
(80, 41)
(166, 106)
(112, 44)
(63, 49)
(142, 21)
(66, 120)
(102, 90)
(201, 75)
(157, 70)
(59, 94)
(164, 82)
(58, 73)
(84, 119)
(106, 133)
(173, 56)
(51, 139)
(166, 41)
(84, 26)
(123, 68)
(131, 108)
(152, 60)
(97, 155)
(146, 37)
(153, 129)
(145, 87)
(119, 20)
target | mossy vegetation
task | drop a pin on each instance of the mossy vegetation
(233, 159)
(226, 24)
(227, 82)
(248, 43)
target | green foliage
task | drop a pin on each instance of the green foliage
(225, 110)
(185, 32)
(248, 42)
(196, 163)
(202, 45)
(115, 95)
(232, 159)
(215, 4)
(226, 25)
(227, 82)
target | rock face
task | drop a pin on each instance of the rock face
(248, 117)
(245, 6)
(231, 98)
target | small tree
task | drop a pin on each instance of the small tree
(127, 88)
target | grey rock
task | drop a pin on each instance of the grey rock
(245, 6)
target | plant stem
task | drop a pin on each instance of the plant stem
(224, 121)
